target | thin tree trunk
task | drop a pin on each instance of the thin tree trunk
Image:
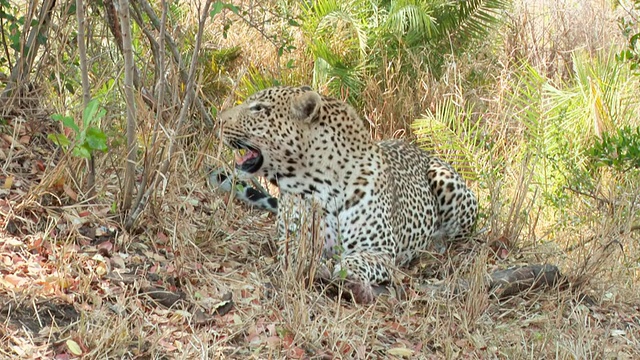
(127, 52)
(86, 89)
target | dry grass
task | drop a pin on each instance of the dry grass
(197, 278)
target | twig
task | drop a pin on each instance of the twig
(4, 44)
(114, 26)
(633, 228)
(601, 200)
(204, 112)
(22, 68)
(139, 204)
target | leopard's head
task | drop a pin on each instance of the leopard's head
(269, 131)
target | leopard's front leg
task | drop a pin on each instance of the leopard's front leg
(362, 271)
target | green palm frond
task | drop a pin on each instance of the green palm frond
(338, 40)
(562, 121)
(253, 81)
(452, 133)
(591, 103)
(469, 20)
(411, 17)
(336, 21)
(331, 70)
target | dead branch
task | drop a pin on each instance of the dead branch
(507, 283)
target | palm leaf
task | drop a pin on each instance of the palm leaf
(411, 17)
(452, 133)
(469, 20)
(338, 41)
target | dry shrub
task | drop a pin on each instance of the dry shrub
(546, 32)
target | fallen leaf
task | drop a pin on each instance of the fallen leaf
(273, 341)
(8, 182)
(15, 280)
(70, 193)
(13, 242)
(40, 165)
(296, 353)
(107, 245)
(73, 347)
(400, 351)
(101, 269)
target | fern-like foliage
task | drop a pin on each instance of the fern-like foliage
(354, 38)
(454, 135)
(469, 19)
(561, 122)
(410, 17)
(338, 39)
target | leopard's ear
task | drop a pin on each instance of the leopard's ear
(306, 106)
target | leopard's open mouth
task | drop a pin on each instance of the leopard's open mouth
(248, 158)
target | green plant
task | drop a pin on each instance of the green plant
(562, 120)
(619, 150)
(457, 128)
(11, 27)
(353, 40)
(631, 31)
(88, 139)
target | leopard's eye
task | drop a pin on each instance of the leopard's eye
(257, 107)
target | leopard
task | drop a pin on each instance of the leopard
(381, 203)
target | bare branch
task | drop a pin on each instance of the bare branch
(204, 112)
(86, 88)
(141, 200)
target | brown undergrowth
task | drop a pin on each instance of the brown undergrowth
(198, 280)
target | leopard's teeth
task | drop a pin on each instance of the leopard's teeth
(237, 156)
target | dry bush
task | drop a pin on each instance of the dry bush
(546, 32)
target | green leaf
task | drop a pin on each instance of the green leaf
(67, 121)
(81, 151)
(92, 113)
(59, 139)
(96, 139)
(218, 6)
(73, 347)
